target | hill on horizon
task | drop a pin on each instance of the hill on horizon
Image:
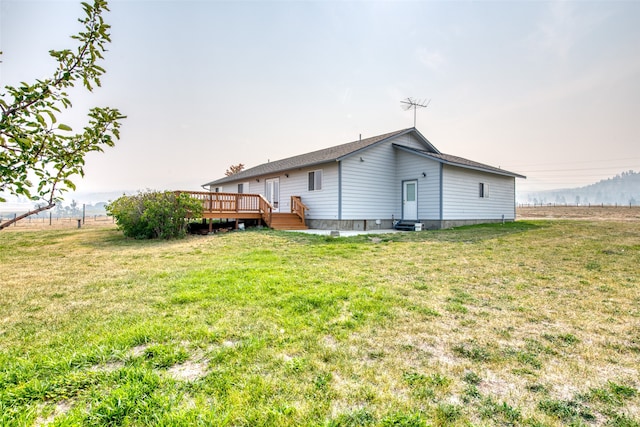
(622, 189)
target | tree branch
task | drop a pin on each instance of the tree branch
(23, 216)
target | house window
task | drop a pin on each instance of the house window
(484, 190)
(243, 187)
(315, 180)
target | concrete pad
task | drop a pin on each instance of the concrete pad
(345, 233)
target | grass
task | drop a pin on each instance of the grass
(531, 323)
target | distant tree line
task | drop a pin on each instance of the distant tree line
(622, 189)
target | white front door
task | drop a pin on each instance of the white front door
(410, 200)
(272, 192)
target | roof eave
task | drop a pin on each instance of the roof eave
(460, 165)
(250, 175)
(494, 171)
(233, 178)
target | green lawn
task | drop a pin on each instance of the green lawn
(531, 323)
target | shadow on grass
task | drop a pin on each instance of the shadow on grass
(464, 234)
(467, 234)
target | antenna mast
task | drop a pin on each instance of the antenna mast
(414, 103)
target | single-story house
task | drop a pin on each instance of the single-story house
(375, 182)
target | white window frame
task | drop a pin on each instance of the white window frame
(243, 187)
(315, 183)
(483, 190)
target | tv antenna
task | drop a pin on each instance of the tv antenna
(410, 103)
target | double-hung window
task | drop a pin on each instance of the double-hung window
(243, 187)
(483, 190)
(315, 180)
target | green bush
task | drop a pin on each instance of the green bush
(154, 214)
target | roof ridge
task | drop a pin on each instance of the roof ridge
(308, 159)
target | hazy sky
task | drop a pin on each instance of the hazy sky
(550, 90)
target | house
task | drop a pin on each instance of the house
(375, 182)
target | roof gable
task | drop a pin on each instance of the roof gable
(331, 154)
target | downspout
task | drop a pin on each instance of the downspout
(339, 190)
(515, 204)
(441, 194)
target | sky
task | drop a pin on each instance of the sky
(546, 89)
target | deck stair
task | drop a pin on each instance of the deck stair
(406, 225)
(286, 221)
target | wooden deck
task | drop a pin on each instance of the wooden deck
(241, 206)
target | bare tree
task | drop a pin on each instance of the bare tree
(234, 169)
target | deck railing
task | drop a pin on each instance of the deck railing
(235, 205)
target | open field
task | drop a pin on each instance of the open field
(595, 212)
(35, 223)
(531, 323)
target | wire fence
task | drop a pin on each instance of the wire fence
(53, 221)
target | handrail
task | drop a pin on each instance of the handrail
(266, 209)
(298, 208)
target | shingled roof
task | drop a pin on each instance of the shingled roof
(330, 154)
(459, 161)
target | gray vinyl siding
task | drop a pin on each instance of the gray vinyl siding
(369, 187)
(372, 187)
(322, 204)
(232, 187)
(409, 140)
(409, 167)
(461, 199)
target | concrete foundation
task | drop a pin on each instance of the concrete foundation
(350, 224)
(385, 224)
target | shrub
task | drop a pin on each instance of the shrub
(154, 214)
